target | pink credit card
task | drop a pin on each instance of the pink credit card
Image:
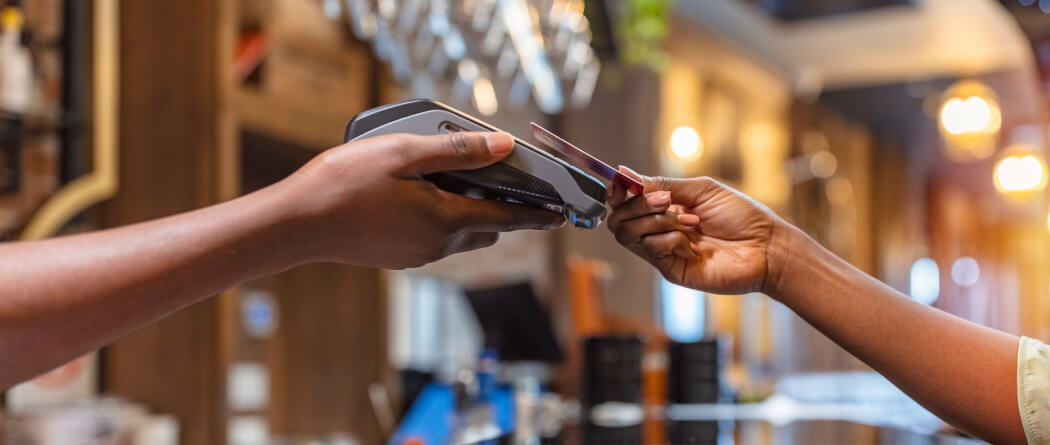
(587, 161)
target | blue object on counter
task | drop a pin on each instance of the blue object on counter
(488, 368)
(433, 415)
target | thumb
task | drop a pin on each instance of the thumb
(455, 151)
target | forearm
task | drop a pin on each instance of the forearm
(963, 372)
(66, 296)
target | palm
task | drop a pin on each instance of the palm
(733, 237)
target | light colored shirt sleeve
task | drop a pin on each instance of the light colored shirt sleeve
(1033, 389)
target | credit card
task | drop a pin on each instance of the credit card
(584, 159)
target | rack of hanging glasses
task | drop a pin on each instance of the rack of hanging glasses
(489, 53)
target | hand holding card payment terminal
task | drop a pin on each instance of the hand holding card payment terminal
(529, 175)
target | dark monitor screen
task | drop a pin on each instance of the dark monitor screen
(515, 324)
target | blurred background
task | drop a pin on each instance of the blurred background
(907, 136)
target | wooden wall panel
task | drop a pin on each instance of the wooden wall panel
(330, 346)
(168, 101)
(331, 340)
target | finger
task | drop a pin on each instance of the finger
(639, 206)
(631, 174)
(479, 215)
(617, 195)
(475, 241)
(682, 189)
(663, 245)
(422, 155)
(632, 231)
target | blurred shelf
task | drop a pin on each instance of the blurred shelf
(285, 121)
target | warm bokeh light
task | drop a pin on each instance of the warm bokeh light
(823, 164)
(970, 120)
(839, 191)
(1020, 172)
(686, 143)
(972, 115)
(485, 97)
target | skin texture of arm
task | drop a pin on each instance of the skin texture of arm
(363, 203)
(66, 296)
(963, 372)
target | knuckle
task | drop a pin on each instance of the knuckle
(503, 219)
(448, 220)
(662, 182)
(457, 218)
(708, 184)
(395, 148)
(660, 222)
(398, 140)
(463, 145)
(434, 212)
(650, 243)
(396, 143)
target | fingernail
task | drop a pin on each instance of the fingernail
(696, 248)
(688, 219)
(499, 144)
(557, 224)
(657, 199)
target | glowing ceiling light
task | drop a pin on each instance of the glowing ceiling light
(1020, 172)
(686, 143)
(970, 120)
(972, 115)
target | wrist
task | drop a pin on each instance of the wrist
(786, 247)
(285, 226)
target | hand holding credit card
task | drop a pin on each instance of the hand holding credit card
(585, 160)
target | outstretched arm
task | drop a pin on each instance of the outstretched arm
(363, 203)
(963, 372)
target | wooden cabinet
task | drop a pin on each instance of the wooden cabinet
(192, 135)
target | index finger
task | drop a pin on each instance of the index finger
(624, 193)
(639, 206)
(482, 215)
